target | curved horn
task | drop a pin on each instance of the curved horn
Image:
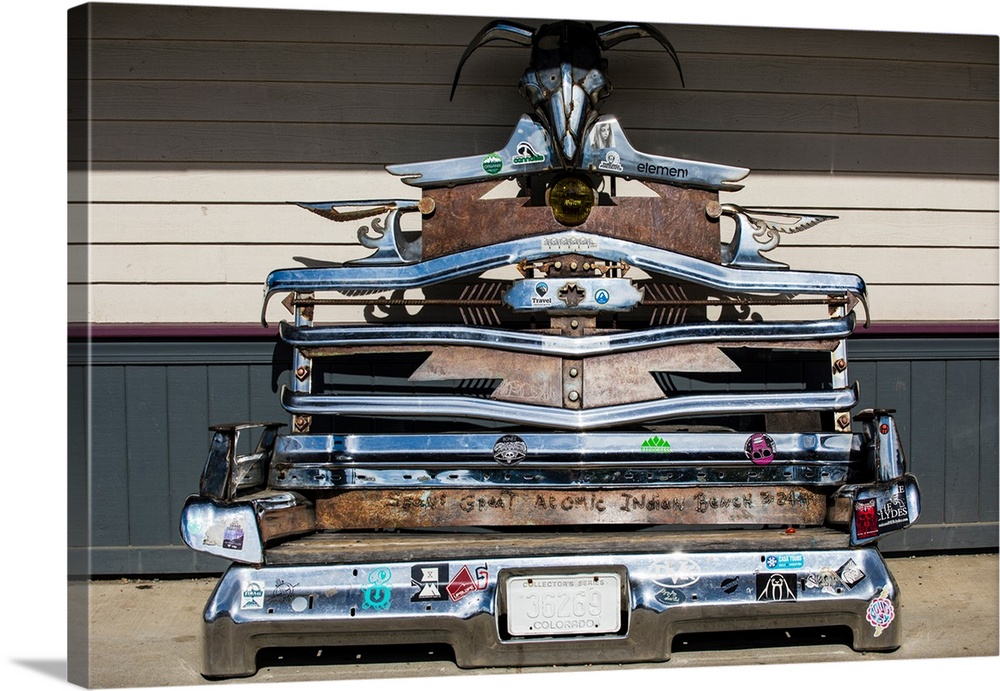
(611, 35)
(497, 30)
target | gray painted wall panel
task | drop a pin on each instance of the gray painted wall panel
(187, 436)
(961, 481)
(925, 451)
(78, 441)
(146, 420)
(109, 458)
(989, 435)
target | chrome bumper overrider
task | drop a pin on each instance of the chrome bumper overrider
(663, 595)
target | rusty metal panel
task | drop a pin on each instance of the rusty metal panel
(675, 220)
(284, 522)
(527, 378)
(627, 377)
(386, 509)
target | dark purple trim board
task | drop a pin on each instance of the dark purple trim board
(200, 331)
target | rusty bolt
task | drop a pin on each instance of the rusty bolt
(302, 372)
(302, 423)
(557, 265)
(426, 205)
(844, 420)
(573, 266)
(840, 365)
(713, 209)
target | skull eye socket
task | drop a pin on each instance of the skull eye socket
(549, 42)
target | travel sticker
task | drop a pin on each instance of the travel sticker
(655, 443)
(570, 243)
(492, 164)
(525, 155)
(894, 515)
(509, 449)
(429, 580)
(850, 573)
(865, 518)
(464, 583)
(784, 561)
(777, 587)
(282, 591)
(602, 136)
(669, 596)
(252, 595)
(759, 448)
(881, 612)
(233, 537)
(677, 573)
(541, 289)
(378, 592)
(730, 585)
(825, 579)
(612, 161)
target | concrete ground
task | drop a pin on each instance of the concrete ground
(146, 633)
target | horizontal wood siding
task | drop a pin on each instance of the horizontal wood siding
(194, 127)
(151, 404)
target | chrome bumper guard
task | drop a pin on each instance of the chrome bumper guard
(463, 604)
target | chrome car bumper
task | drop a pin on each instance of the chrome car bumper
(663, 594)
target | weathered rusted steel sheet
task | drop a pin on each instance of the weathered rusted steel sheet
(526, 378)
(676, 220)
(384, 509)
(284, 522)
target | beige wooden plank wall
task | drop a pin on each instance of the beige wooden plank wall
(203, 123)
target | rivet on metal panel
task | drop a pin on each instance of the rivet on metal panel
(574, 396)
(713, 209)
(302, 423)
(302, 373)
(426, 205)
(840, 365)
(844, 421)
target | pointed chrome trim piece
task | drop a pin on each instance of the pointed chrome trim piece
(565, 346)
(414, 407)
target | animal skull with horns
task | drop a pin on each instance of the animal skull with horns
(565, 80)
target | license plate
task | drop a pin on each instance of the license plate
(564, 605)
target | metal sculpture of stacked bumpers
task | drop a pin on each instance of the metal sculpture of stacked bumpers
(573, 423)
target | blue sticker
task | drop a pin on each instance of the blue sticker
(378, 593)
(784, 561)
(669, 596)
(602, 297)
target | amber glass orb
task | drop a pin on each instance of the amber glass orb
(571, 200)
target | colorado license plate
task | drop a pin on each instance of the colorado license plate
(564, 605)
